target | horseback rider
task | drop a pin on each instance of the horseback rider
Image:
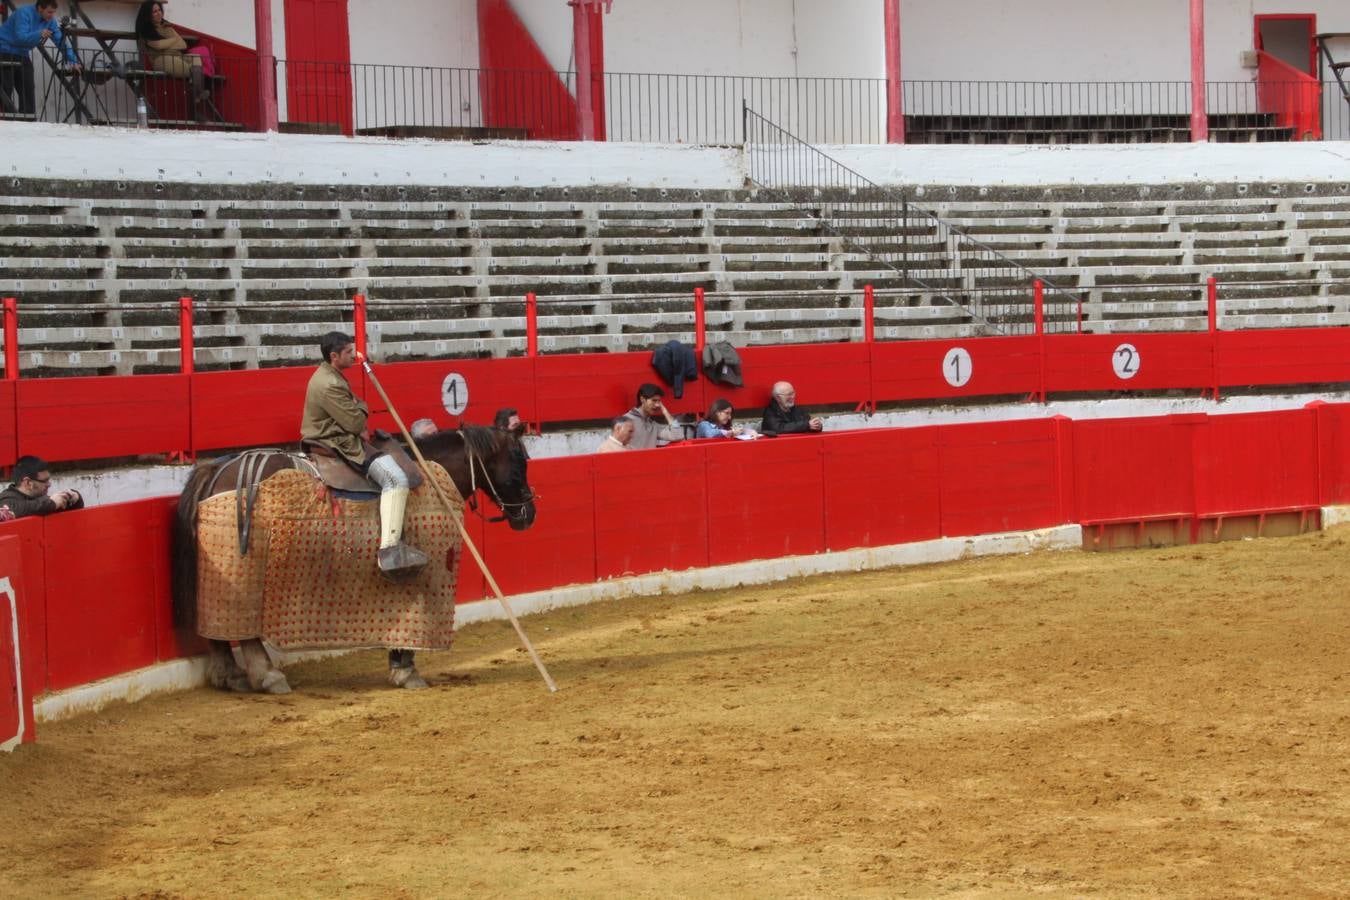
(335, 420)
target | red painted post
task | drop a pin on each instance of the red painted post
(359, 322)
(581, 42)
(267, 61)
(895, 104)
(869, 317)
(11, 339)
(186, 352)
(1038, 296)
(1199, 112)
(531, 325)
(699, 311)
(1213, 297)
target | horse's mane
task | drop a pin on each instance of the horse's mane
(481, 440)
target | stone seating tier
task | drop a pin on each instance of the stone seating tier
(99, 266)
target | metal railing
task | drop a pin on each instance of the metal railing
(930, 256)
(702, 109)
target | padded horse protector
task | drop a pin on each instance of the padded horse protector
(310, 581)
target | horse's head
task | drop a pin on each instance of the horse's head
(510, 488)
(488, 460)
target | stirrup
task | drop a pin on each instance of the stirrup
(401, 562)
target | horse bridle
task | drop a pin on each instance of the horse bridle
(472, 499)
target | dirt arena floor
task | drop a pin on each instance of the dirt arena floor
(1154, 722)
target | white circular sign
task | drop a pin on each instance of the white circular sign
(1125, 361)
(454, 394)
(956, 367)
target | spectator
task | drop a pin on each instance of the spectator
(508, 419)
(621, 432)
(30, 495)
(783, 416)
(422, 428)
(646, 416)
(27, 28)
(169, 52)
(719, 422)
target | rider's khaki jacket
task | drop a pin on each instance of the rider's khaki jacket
(333, 415)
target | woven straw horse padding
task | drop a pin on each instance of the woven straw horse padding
(310, 581)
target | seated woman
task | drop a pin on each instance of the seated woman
(719, 423)
(169, 53)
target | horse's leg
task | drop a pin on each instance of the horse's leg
(221, 669)
(262, 675)
(402, 672)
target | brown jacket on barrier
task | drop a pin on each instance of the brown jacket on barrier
(334, 416)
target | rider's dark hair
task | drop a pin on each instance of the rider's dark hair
(648, 390)
(28, 467)
(45, 4)
(333, 342)
(502, 419)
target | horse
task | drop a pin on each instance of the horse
(476, 458)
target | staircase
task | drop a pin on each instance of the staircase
(937, 263)
(1326, 60)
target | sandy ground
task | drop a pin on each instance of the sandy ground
(1155, 722)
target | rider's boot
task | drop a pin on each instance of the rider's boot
(398, 561)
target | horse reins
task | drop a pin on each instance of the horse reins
(472, 499)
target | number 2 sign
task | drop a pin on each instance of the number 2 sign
(1125, 361)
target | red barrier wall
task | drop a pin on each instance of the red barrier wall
(9, 425)
(1127, 470)
(16, 692)
(254, 408)
(1283, 356)
(483, 387)
(96, 580)
(63, 418)
(602, 385)
(912, 370)
(1082, 363)
(882, 487)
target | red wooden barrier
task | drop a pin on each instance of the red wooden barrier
(765, 499)
(601, 386)
(560, 548)
(16, 689)
(11, 329)
(1128, 470)
(1128, 362)
(1283, 356)
(1333, 439)
(9, 426)
(255, 408)
(106, 588)
(88, 418)
(998, 476)
(880, 487)
(1253, 462)
(477, 388)
(651, 511)
(471, 584)
(915, 370)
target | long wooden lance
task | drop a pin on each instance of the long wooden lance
(459, 522)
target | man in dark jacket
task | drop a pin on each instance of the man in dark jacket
(783, 416)
(30, 494)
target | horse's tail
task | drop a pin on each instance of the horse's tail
(184, 582)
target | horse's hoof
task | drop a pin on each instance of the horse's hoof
(237, 682)
(274, 682)
(406, 677)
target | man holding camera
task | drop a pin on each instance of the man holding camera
(31, 495)
(25, 29)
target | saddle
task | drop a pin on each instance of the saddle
(340, 475)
